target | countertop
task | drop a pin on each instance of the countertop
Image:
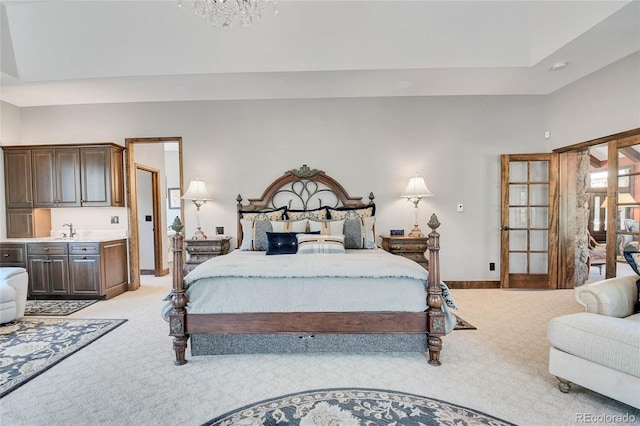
(60, 240)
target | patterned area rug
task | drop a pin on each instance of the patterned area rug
(351, 407)
(31, 346)
(57, 308)
(463, 325)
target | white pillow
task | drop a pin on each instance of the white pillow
(327, 227)
(289, 225)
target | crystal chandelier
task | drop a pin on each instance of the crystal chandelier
(226, 13)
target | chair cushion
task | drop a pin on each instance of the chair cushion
(609, 341)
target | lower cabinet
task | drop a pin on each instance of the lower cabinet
(48, 268)
(77, 269)
(48, 275)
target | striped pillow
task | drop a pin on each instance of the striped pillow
(322, 244)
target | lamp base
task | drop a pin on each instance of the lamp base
(416, 232)
(199, 235)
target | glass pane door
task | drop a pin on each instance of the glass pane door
(529, 204)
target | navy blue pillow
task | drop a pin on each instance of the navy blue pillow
(282, 243)
(631, 257)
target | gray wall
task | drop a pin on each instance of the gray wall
(367, 144)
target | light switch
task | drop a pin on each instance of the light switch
(460, 208)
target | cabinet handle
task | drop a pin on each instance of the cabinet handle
(84, 248)
(6, 255)
(84, 257)
(46, 249)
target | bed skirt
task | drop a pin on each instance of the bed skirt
(229, 344)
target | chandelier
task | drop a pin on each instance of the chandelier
(226, 13)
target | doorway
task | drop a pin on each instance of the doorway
(149, 221)
(529, 226)
(163, 155)
(598, 197)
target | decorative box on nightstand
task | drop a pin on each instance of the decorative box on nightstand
(201, 250)
(410, 247)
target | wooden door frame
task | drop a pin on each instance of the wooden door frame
(157, 219)
(131, 190)
(552, 249)
(567, 238)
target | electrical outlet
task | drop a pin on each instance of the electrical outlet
(492, 266)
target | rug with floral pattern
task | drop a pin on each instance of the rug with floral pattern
(351, 407)
(31, 346)
(55, 307)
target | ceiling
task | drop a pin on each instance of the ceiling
(82, 52)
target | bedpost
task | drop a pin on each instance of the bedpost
(239, 224)
(177, 316)
(435, 316)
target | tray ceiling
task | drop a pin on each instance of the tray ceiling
(74, 52)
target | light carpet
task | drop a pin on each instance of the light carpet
(353, 407)
(55, 307)
(31, 346)
(128, 376)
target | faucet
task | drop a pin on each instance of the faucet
(72, 233)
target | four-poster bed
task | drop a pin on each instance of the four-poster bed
(357, 291)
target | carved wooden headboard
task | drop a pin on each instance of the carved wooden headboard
(301, 189)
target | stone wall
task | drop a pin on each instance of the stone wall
(582, 219)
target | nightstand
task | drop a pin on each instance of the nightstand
(201, 250)
(410, 247)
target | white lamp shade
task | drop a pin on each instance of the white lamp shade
(416, 189)
(197, 191)
(623, 198)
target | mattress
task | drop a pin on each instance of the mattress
(370, 280)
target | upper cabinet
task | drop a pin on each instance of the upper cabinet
(17, 178)
(56, 177)
(102, 176)
(64, 176)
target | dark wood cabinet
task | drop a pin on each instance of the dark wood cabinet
(48, 268)
(56, 177)
(17, 179)
(102, 176)
(28, 223)
(84, 275)
(46, 176)
(13, 254)
(77, 269)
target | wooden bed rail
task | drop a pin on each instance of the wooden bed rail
(433, 322)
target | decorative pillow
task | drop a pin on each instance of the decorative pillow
(321, 244)
(336, 213)
(289, 225)
(633, 258)
(282, 243)
(255, 225)
(254, 234)
(327, 227)
(318, 214)
(358, 226)
(267, 214)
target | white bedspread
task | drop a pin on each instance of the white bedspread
(361, 280)
(374, 263)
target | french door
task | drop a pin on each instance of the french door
(529, 224)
